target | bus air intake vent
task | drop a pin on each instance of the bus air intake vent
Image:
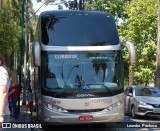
(85, 111)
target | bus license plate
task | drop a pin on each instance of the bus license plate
(86, 118)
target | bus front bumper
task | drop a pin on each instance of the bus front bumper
(56, 118)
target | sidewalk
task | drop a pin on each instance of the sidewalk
(23, 119)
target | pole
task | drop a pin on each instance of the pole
(37, 11)
(26, 64)
(27, 50)
(20, 54)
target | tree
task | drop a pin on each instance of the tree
(157, 78)
(141, 29)
(9, 30)
(115, 7)
(10, 21)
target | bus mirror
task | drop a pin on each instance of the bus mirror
(131, 48)
(37, 54)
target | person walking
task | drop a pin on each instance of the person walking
(29, 100)
(13, 94)
(4, 86)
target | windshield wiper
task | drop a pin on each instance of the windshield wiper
(54, 88)
(58, 88)
(58, 93)
(107, 88)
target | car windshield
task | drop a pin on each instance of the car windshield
(152, 92)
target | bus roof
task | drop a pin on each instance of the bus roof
(94, 12)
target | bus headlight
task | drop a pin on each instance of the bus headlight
(55, 108)
(114, 106)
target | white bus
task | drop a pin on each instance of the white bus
(79, 68)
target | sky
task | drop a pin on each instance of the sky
(37, 5)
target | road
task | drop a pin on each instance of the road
(140, 124)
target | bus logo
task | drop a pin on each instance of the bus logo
(66, 56)
(86, 104)
(85, 95)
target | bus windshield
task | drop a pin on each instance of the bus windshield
(78, 29)
(80, 72)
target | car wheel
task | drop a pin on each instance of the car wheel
(133, 115)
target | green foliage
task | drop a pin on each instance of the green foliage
(115, 7)
(9, 30)
(146, 65)
(141, 29)
(10, 25)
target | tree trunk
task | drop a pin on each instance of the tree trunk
(157, 77)
(1, 1)
(131, 78)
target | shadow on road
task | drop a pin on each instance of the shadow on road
(155, 118)
(143, 118)
(88, 127)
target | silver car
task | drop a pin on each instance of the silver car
(142, 101)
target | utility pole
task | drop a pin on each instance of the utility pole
(26, 64)
(157, 77)
(20, 54)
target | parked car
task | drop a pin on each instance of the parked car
(144, 101)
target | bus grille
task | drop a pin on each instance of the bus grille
(84, 111)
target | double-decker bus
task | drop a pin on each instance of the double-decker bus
(79, 68)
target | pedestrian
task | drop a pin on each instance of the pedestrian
(29, 104)
(13, 94)
(4, 86)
